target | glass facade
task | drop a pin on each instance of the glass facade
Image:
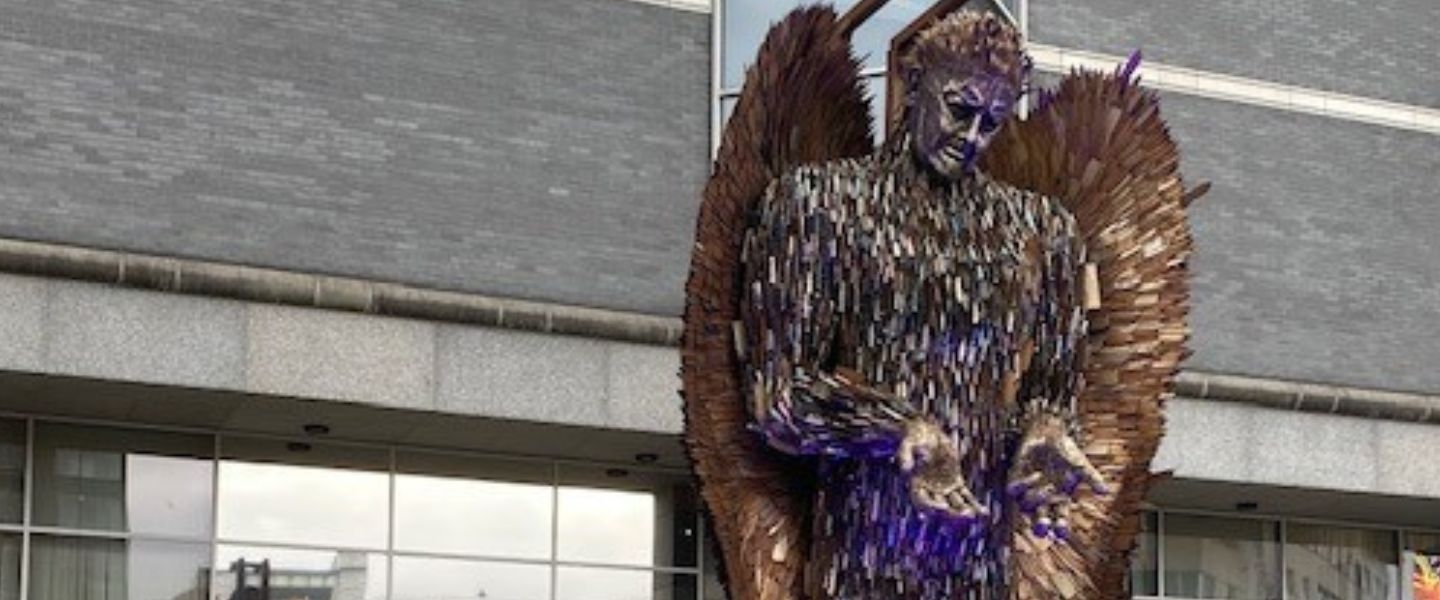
(744, 23)
(1204, 556)
(1214, 557)
(114, 513)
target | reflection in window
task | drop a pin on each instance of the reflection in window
(713, 590)
(12, 473)
(458, 511)
(64, 568)
(1145, 562)
(615, 516)
(1212, 557)
(580, 583)
(9, 566)
(245, 572)
(1421, 569)
(747, 22)
(122, 480)
(299, 503)
(1340, 563)
(431, 578)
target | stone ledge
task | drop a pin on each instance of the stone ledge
(356, 295)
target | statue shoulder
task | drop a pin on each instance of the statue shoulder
(819, 185)
(1054, 219)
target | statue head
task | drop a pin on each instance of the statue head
(963, 76)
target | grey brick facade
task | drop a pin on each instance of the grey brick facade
(1382, 49)
(548, 149)
(1317, 256)
(554, 150)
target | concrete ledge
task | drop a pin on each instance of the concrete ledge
(1233, 442)
(1310, 397)
(256, 284)
(81, 330)
(369, 297)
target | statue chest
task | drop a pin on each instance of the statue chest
(943, 265)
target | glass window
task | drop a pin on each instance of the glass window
(582, 583)
(458, 505)
(713, 590)
(1144, 564)
(748, 21)
(9, 566)
(419, 578)
(1324, 562)
(1422, 567)
(323, 495)
(1213, 557)
(291, 573)
(12, 472)
(123, 480)
(623, 517)
(68, 568)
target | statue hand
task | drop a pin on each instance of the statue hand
(1046, 476)
(936, 480)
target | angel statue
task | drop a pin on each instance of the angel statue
(933, 369)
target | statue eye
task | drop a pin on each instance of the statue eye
(959, 108)
(970, 95)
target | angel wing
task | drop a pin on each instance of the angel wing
(802, 102)
(1099, 145)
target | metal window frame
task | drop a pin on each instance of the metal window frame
(1283, 523)
(213, 540)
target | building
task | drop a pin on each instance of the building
(391, 288)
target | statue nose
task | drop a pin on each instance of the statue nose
(974, 132)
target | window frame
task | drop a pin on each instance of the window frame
(27, 530)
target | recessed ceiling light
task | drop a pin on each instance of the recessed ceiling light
(647, 458)
(316, 429)
(616, 472)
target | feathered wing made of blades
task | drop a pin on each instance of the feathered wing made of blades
(1099, 145)
(802, 102)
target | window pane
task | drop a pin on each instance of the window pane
(713, 589)
(63, 568)
(123, 480)
(872, 40)
(430, 578)
(875, 89)
(1340, 563)
(1422, 567)
(460, 505)
(12, 473)
(9, 566)
(618, 516)
(1211, 557)
(1143, 566)
(581, 583)
(747, 22)
(325, 496)
(338, 575)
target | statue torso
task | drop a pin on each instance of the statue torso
(936, 287)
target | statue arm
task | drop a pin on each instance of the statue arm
(1049, 465)
(796, 298)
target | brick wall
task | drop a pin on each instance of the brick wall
(1317, 248)
(548, 149)
(1382, 49)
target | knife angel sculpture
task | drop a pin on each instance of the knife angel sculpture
(932, 369)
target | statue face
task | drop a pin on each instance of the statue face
(954, 114)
